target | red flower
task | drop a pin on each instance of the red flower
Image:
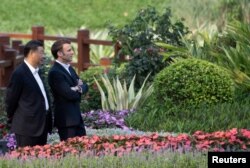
(244, 147)
(198, 133)
(118, 137)
(245, 133)
(119, 144)
(155, 136)
(219, 134)
(200, 137)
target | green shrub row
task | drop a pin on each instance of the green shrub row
(208, 118)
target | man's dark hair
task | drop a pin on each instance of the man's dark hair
(31, 46)
(58, 45)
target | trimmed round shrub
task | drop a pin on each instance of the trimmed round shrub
(192, 82)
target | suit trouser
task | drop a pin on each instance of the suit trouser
(70, 132)
(23, 140)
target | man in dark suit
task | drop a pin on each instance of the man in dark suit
(27, 102)
(67, 89)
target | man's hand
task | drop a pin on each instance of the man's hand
(79, 85)
(75, 88)
(79, 82)
(78, 88)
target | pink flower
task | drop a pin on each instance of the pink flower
(245, 133)
(119, 144)
(155, 136)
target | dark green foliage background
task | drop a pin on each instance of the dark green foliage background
(138, 37)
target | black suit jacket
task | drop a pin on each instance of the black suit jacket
(66, 101)
(25, 104)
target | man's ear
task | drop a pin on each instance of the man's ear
(59, 53)
(32, 52)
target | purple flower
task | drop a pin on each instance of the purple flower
(105, 119)
(11, 141)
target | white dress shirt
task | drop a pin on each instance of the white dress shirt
(66, 66)
(39, 82)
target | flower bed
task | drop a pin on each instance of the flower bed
(231, 140)
(104, 119)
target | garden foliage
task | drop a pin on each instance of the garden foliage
(120, 145)
(178, 87)
(115, 96)
(137, 42)
(92, 101)
(222, 116)
(229, 49)
(193, 81)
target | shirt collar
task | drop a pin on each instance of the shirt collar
(66, 66)
(32, 69)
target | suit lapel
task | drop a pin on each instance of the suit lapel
(73, 73)
(31, 77)
(40, 72)
(61, 68)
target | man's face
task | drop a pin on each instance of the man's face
(39, 56)
(67, 53)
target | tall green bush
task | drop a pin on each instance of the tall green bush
(137, 40)
(193, 81)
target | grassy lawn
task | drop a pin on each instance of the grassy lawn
(68, 16)
(144, 159)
